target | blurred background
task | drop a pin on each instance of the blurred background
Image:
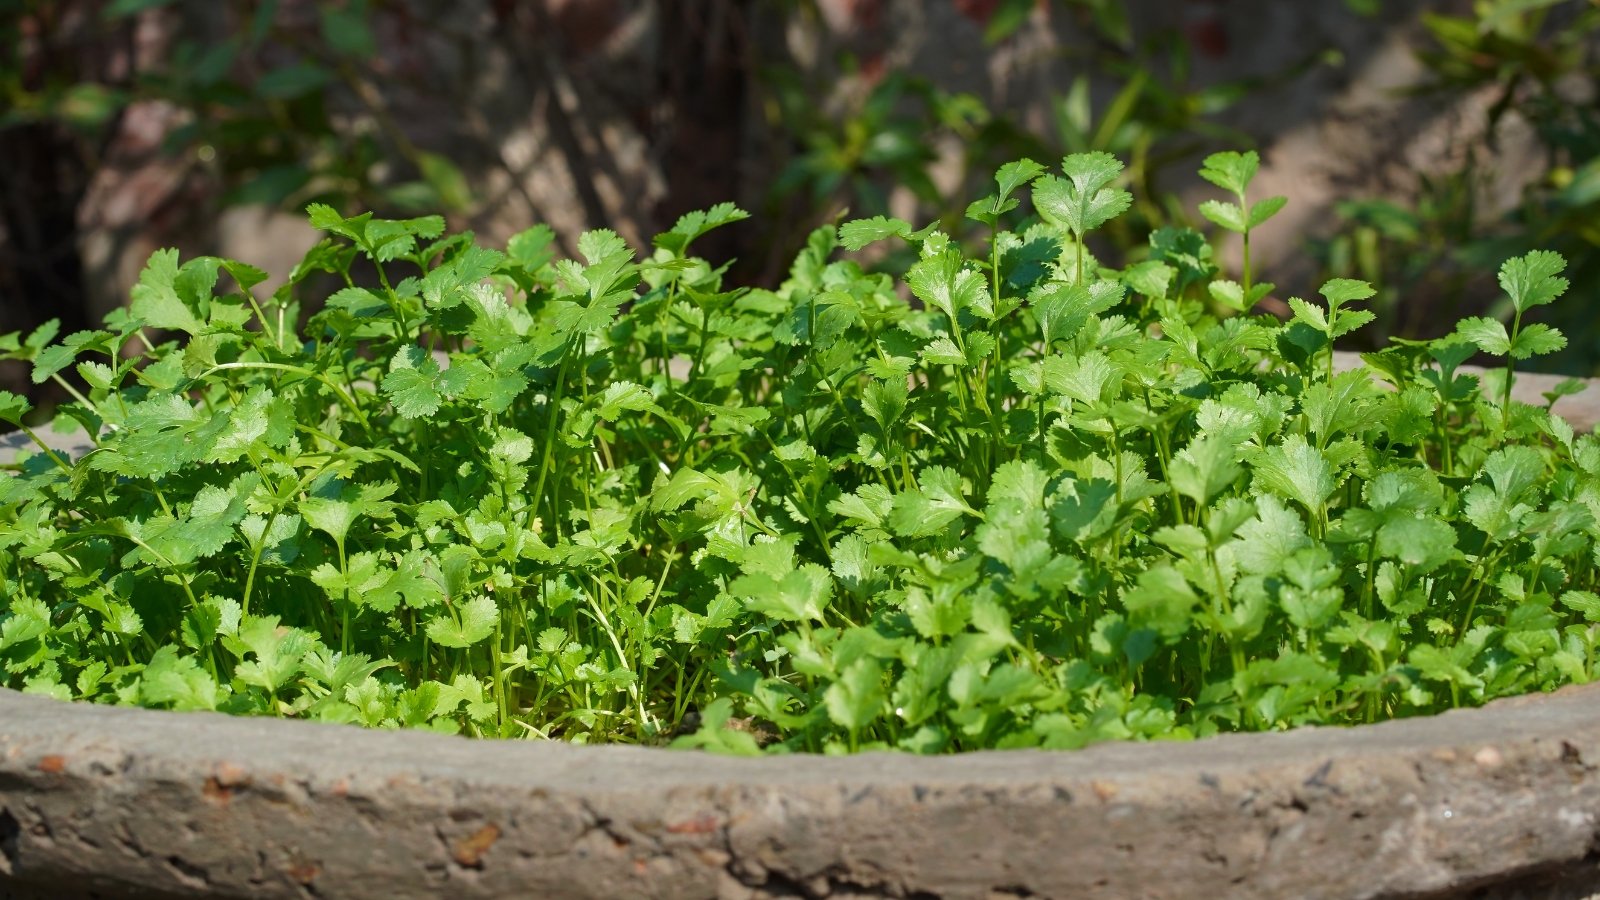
(1419, 143)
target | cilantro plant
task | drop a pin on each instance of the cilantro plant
(1008, 497)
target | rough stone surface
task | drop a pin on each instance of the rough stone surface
(112, 802)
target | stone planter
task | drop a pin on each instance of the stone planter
(113, 802)
(106, 802)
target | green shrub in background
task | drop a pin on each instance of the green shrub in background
(287, 105)
(1151, 116)
(1009, 497)
(1540, 62)
(283, 108)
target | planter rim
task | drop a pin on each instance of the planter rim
(135, 802)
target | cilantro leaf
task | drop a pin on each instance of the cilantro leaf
(1015, 174)
(1084, 200)
(1533, 279)
(1537, 339)
(1271, 537)
(1162, 601)
(1424, 542)
(799, 595)
(1228, 215)
(53, 359)
(1296, 471)
(334, 507)
(1263, 210)
(1339, 291)
(478, 618)
(155, 299)
(1488, 335)
(929, 507)
(413, 383)
(1230, 170)
(1204, 469)
(858, 233)
(178, 682)
(945, 283)
(13, 408)
(693, 225)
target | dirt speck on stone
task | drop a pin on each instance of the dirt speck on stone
(303, 871)
(469, 851)
(701, 824)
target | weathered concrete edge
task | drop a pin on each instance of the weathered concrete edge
(117, 802)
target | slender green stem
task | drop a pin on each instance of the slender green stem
(499, 680)
(700, 351)
(77, 395)
(266, 327)
(547, 458)
(1244, 209)
(1246, 246)
(1511, 365)
(345, 636)
(54, 457)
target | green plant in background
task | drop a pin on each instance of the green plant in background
(1409, 255)
(1541, 61)
(255, 102)
(1151, 116)
(1154, 118)
(260, 106)
(1048, 502)
(1233, 173)
(1108, 19)
(885, 139)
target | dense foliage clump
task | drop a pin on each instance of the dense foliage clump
(1011, 498)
